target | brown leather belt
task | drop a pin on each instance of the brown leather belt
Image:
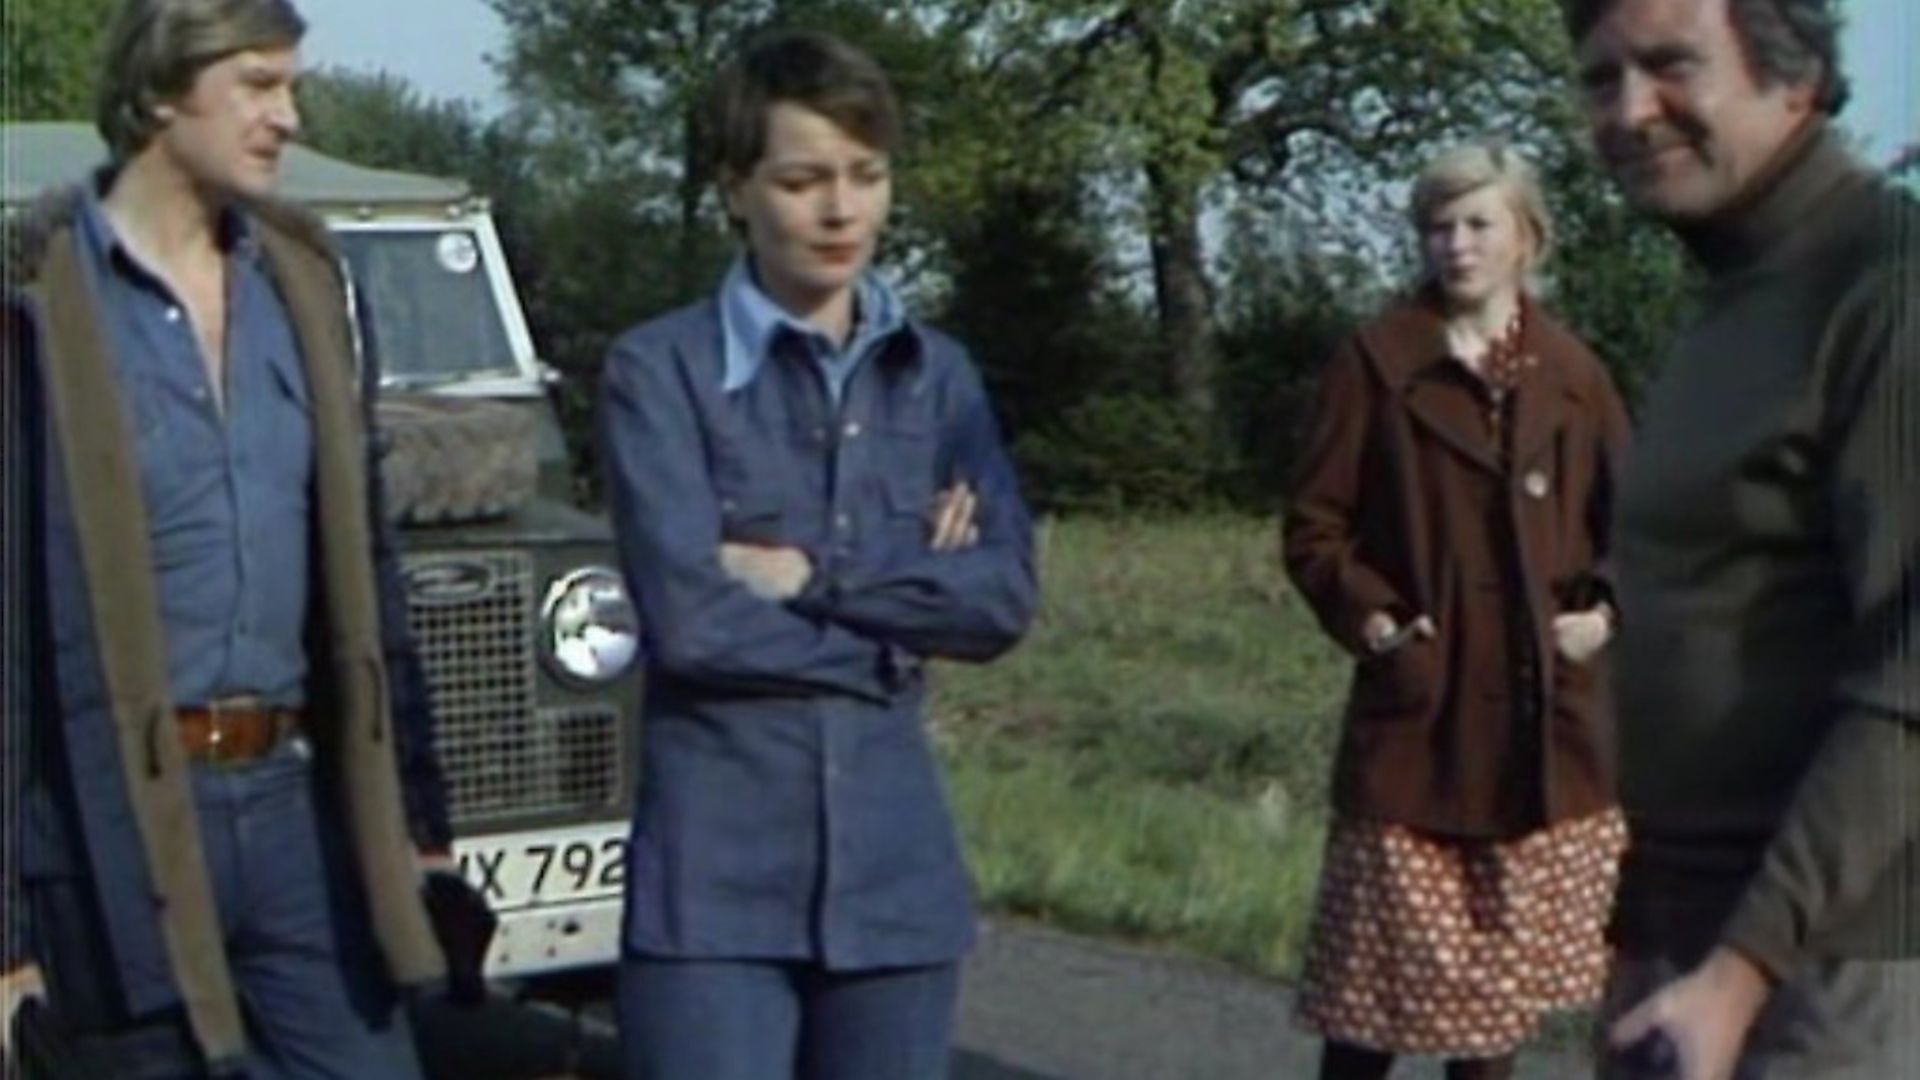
(236, 730)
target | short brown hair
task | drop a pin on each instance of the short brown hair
(1788, 42)
(815, 70)
(156, 48)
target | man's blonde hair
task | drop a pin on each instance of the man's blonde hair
(156, 48)
(1464, 169)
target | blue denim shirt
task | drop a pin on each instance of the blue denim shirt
(789, 804)
(227, 491)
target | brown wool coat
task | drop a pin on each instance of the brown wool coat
(1400, 503)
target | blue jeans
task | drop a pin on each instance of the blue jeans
(754, 1020)
(312, 988)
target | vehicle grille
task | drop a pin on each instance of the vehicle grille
(501, 754)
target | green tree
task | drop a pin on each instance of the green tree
(626, 78)
(1619, 279)
(1199, 98)
(629, 78)
(1067, 173)
(380, 120)
(49, 57)
(1032, 295)
(1286, 302)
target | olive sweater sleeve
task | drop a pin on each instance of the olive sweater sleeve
(1849, 841)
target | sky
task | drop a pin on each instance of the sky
(442, 48)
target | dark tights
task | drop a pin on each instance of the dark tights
(1500, 1068)
(1344, 1061)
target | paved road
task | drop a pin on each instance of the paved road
(1036, 1004)
(1040, 1005)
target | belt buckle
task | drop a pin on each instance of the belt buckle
(217, 711)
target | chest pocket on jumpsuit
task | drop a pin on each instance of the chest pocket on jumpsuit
(752, 507)
(908, 464)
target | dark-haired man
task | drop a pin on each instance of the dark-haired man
(1768, 541)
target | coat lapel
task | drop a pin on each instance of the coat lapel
(1546, 398)
(1408, 348)
(371, 797)
(1443, 412)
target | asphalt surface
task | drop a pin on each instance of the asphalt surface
(1040, 1005)
(1036, 1004)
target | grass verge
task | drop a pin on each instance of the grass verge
(1152, 762)
(1142, 861)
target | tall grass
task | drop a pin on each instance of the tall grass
(1152, 762)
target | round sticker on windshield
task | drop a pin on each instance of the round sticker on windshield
(457, 252)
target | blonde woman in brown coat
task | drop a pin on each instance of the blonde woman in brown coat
(1448, 526)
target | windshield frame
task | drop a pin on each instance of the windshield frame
(525, 378)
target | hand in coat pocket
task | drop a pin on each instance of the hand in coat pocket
(1383, 635)
(1578, 635)
(1397, 675)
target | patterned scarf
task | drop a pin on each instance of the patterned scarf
(1502, 367)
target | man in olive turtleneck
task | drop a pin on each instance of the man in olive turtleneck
(1768, 545)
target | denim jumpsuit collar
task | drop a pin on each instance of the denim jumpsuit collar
(751, 322)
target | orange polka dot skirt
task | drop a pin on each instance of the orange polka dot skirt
(1456, 948)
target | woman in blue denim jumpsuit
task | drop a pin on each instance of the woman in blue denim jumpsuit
(810, 498)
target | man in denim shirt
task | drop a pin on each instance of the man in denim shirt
(810, 497)
(218, 856)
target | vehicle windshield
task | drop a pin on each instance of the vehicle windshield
(430, 296)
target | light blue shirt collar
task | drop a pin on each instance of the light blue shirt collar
(750, 320)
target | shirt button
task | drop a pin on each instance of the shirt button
(842, 522)
(173, 314)
(853, 429)
(1535, 484)
(820, 433)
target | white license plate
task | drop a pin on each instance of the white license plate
(546, 866)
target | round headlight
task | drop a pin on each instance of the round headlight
(590, 632)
